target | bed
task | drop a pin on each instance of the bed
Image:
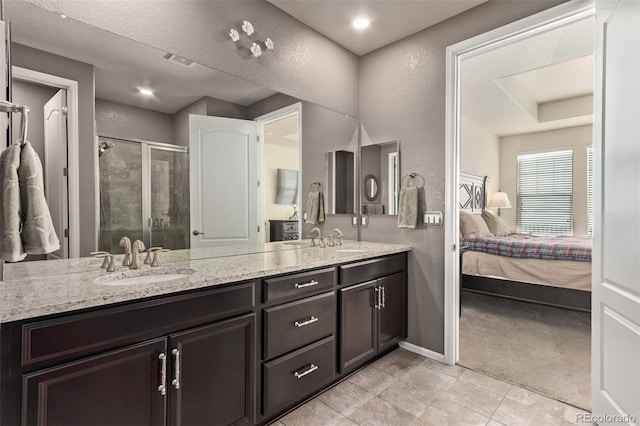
(551, 270)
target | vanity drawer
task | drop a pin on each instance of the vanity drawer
(292, 377)
(371, 269)
(71, 335)
(299, 284)
(295, 324)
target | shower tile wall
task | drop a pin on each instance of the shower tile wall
(120, 194)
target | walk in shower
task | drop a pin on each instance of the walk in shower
(144, 193)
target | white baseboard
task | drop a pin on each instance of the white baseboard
(422, 351)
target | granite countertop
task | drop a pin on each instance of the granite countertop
(33, 289)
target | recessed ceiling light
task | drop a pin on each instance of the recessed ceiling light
(146, 92)
(360, 23)
(63, 16)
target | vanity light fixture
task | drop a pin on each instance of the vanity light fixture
(146, 92)
(360, 23)
(256, 47)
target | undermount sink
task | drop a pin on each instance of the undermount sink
(143, 276)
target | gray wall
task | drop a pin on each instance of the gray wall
(129, 122)
(34, 96)
(402, 96)
(303, 64)
(26, 57)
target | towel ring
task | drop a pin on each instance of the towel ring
(316, 185)
(412, 177)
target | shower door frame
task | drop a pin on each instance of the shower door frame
(145, 152)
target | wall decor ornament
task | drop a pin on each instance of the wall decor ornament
(256, 47)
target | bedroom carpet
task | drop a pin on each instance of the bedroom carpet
(541, 348)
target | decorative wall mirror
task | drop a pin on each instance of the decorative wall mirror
(370, 187)
(380, 166)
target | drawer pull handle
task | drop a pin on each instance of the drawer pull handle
(307, 322)
(384, 297)
(311, 369)
(309, 284)
(176, 381)
(162, 388)
(378, 303)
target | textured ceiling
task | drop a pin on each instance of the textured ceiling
(391, 20)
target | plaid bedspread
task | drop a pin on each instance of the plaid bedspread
(533, 247)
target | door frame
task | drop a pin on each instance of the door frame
(262, 121)
(73, 183)
(557, 16)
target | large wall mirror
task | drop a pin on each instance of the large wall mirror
(380, 171)
(131, 154)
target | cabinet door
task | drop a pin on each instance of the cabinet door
(119, 388)
(358, 337)
(211, 378)
(392, 314)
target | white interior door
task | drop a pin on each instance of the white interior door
(223, 159)
(55, 168)
(616, 269)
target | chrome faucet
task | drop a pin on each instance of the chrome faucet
(126, 243)
(315, 233)
(136, 247)
(336, 233)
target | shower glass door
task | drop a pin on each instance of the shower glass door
(144, 194)
(167, 223)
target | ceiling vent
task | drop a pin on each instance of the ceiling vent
(178, 60)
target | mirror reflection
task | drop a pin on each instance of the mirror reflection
(380, 166)
(340, 176)
(133, 173)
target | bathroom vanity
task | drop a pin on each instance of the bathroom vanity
(239, 340)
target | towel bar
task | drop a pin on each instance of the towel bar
(412, 176)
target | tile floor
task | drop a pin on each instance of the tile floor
(404, 388)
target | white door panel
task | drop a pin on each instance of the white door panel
(223, 164)
(55, 162)
(616, 248)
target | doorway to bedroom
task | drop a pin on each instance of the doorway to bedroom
(524, 208)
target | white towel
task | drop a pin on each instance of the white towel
(38, 233)
(11, 248)
(408, 207)
(315, 208)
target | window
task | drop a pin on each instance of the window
(545, 192)
(590, 190)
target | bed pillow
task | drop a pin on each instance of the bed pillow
(496, 224)
(472, 225)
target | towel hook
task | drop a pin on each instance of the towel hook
(316, 185)
(413, 177)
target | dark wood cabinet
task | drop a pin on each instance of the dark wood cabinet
(373, 319)
(392, 322)
(283, 230)
(118, 388)
(231, 354)
(212, 376)
(358, 334)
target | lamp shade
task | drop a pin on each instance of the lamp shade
(499, 200)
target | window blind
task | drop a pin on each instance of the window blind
(589, 190)
(545, 192)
